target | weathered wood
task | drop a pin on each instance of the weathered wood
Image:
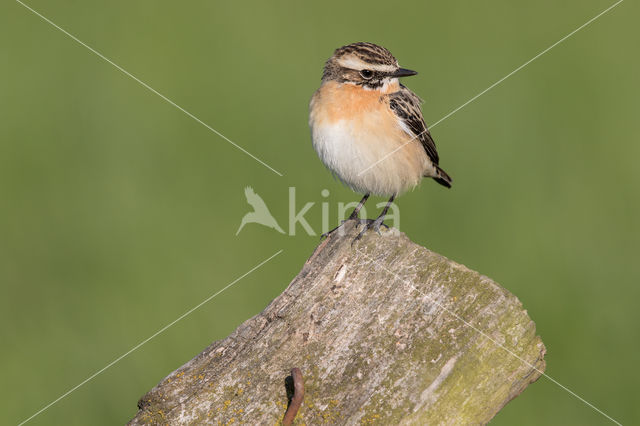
(384, 331)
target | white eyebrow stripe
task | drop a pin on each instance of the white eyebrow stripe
(381, 67)
(355, 63)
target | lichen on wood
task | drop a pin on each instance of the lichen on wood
(384, 331)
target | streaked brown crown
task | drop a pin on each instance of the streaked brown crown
(368, 52)
(360, 63)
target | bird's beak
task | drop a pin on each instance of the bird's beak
(403, 72)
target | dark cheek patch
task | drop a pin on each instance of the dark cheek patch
(355, 77)
(352, 75)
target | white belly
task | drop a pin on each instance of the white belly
(369, 159)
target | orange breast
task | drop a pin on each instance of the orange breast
(335, 101)
(359, 138)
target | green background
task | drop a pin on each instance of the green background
(118, 212)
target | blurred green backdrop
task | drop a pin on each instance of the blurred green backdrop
(118, 212)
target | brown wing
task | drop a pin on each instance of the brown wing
(406, 105)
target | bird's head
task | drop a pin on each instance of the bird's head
(364, 64)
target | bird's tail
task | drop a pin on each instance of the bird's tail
(443, 178)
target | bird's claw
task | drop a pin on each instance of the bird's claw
(364, 222)
(369, 224)
(326, 234)
(357, 220)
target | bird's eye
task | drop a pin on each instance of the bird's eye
(367, 74)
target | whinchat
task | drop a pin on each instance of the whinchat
(368, 129)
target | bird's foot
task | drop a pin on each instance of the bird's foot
(374, 224)
(353, 217)
(326, 234)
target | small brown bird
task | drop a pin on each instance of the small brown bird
(368, 129)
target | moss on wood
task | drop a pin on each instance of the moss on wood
(384, 331)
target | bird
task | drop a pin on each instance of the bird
(368, 129)
(260, 213)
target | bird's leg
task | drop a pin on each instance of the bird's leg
(377, 223)
(353, 216)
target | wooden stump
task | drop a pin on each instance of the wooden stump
(384, 331)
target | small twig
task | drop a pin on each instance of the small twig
(296, 400)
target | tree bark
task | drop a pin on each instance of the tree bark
(384, 331)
